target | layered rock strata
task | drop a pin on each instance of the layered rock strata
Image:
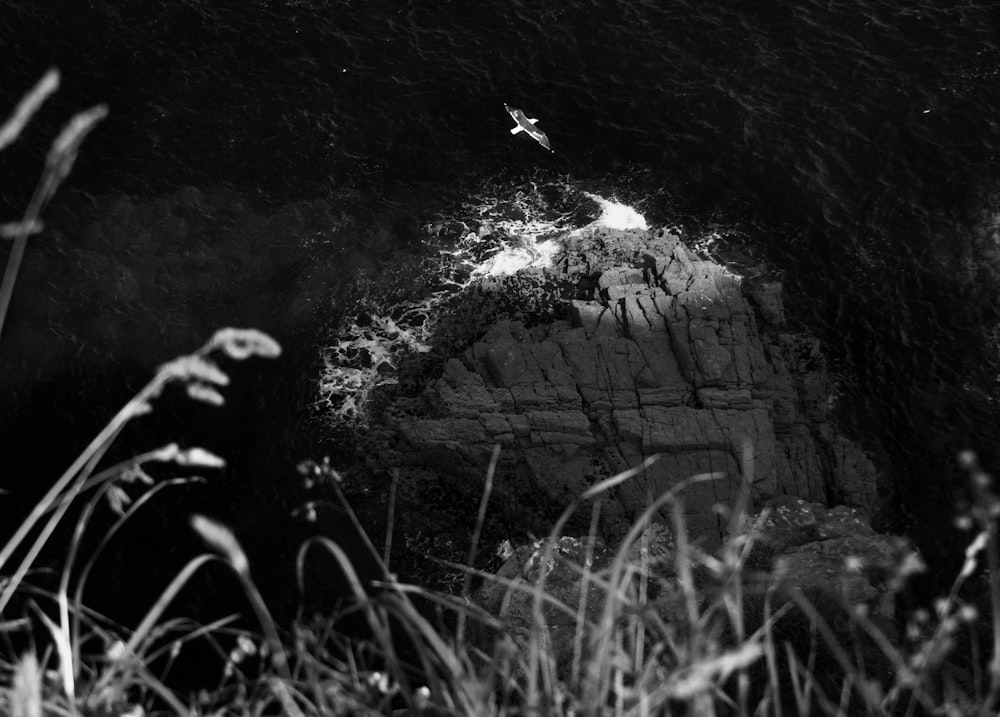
(664, 353)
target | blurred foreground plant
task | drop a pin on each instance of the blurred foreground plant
(657, 627)
(126, 661)
(58, 164)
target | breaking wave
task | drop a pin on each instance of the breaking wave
(500, 232)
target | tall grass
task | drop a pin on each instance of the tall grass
(126, 487)
(58, 164)
(718, 638)
(657, 626)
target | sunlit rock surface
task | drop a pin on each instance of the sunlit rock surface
(663, 353)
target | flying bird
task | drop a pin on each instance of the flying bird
(527, 125)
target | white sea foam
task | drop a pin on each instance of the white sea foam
(512, 259)
(615, 215)
(516, 229)
(366, 357)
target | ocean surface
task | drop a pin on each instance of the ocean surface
(850, 148)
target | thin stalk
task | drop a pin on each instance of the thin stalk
(476, 533)
(58, 164)
(390, 518)
(585, 581)
(993, 561)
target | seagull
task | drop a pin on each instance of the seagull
(527, 125)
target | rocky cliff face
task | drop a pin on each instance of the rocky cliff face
(660, 352)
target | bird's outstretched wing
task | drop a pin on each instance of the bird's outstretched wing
(524, 124)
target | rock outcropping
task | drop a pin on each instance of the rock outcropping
(661, 353)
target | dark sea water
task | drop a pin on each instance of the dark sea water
(851, 147)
